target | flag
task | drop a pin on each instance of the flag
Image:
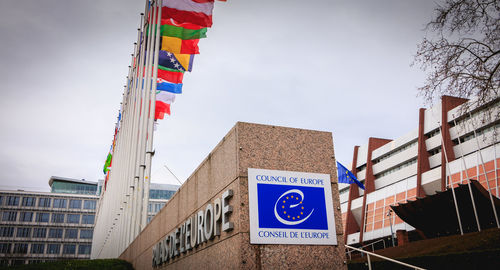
(165, 97)
(184, 31)
(177, 45)
(188, 11)
(346, 176)
(181, 62)
(161, 109)
(107, 164)
(175, 88)
(163, 101)
(170, 75)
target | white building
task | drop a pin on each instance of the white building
(400, 170)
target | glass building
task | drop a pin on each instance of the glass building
(159, 194)
(73, 186)
(58, 225)
(41, 226)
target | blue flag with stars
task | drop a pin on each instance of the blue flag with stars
(291, 207)
(346, 176)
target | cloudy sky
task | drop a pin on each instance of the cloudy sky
(338, 66)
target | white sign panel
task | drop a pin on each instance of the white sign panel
(290, 208)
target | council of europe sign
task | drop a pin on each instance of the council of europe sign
(290, 208)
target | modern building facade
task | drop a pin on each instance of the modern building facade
(74, 186)
(159, 194)
(57, 225)
(43, 226)
(413, 165)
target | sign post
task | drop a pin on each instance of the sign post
(293, 208)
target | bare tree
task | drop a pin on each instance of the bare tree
(463, 54)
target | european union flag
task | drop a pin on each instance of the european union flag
(291, 207)
(346, 176)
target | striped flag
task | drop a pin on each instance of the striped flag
(188, 11)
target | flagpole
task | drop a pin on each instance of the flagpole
(468, 178)
(131, 109)
(152, 109)
(128, 139)
(127, 123)
(123, 148)
(484, 171)
(143, 122)
(137, 131)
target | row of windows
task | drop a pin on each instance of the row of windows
(44, 217)
(42, 233)
(479, 115)
(396, 151)
(155, 206)
(45, 202)
(42, 248)
(479, 132)
(74, 188)
(434, 151)
(396, 168)
(161, 194)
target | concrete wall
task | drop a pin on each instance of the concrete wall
(226, 167)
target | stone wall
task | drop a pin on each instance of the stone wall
(226, 167)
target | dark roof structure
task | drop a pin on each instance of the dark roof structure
(435, 215)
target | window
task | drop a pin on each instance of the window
(28, 201)
(150, 207)
(6, 231)
(1, 200)
(84, 249)
(26, 217)
(73, 218)
(89, 204)
(86, 234)
(396, 168)
(75, 204)
(23, 232)
(21, 248)
(71, 234)
(9, 216)
(44, 202)
(88, 219)
(160, 194)
(55, 233)
(158, 207)
(39, 232)
(59, 203)
(42, 217)
(53, 248)
(5, 248)
(69, 249)
(37, 248)
(57, 218)
(12, 200)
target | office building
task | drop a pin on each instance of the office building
(159, 194)
(57, 225)
(42, 226)
(396, 171)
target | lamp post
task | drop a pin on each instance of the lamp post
(390, 222)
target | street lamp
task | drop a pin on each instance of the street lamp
(390, 222)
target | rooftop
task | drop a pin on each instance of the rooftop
(71, 180)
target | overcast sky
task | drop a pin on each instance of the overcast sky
(338, 66)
